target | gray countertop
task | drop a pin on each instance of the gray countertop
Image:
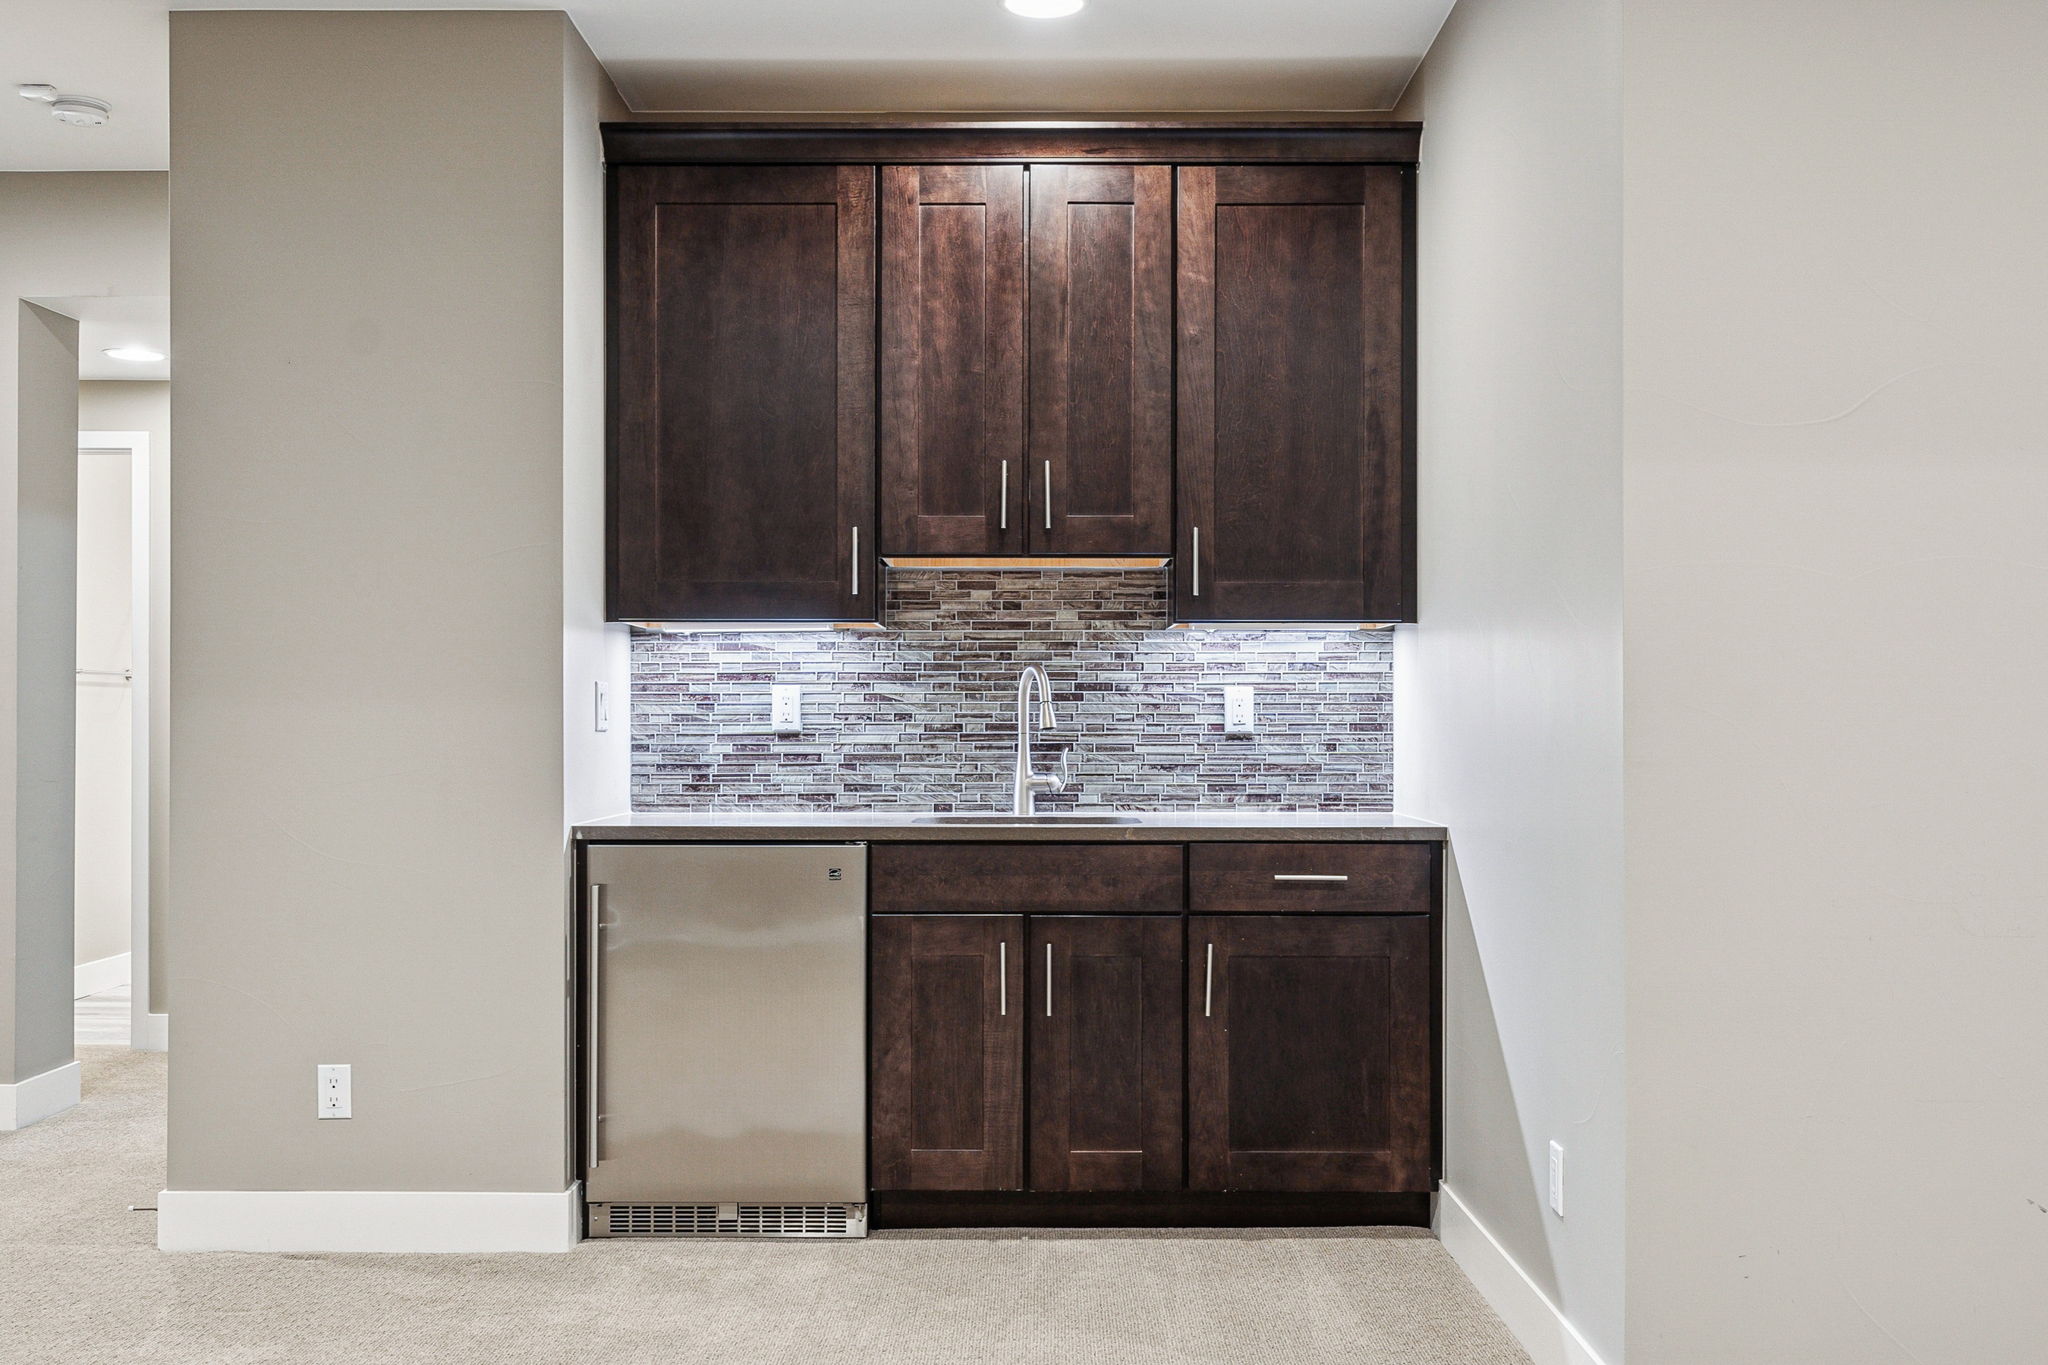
(1204, 826)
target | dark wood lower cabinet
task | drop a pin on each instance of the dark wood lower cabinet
(1105, 1048)
(1310, 1060)
(947, 1051)
(1271, 1067)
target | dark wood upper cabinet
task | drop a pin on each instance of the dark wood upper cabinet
(952, 302)
(1101, 359)
(1105, 1009)
(743, 394)
(962, 341)
(1295, 474)
(946, 1024)
(1311, 1061)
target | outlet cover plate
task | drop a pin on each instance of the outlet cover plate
(334, 1086)
(1239, 715)
(787, 706)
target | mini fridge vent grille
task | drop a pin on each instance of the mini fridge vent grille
(728, 1220)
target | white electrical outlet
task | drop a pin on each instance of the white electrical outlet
(334, 1086)
(604, 707)
(1557, 1179)
(787, 708)
(1238, 717)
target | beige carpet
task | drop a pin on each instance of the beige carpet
(82, 1282)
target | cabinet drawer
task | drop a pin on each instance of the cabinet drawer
(1024, 879)
(1342, 878)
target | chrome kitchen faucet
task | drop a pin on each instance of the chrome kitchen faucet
(1030, 783)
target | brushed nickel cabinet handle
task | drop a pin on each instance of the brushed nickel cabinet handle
(1003, 518)
(1048, 495)
(1003, 977)
(1048, 981)
(856, 561)
(592, 1074)
(1310, 877)
(1197, 557)
(1209, 982)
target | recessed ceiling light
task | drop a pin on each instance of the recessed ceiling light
(1043, 9)
(141, 355)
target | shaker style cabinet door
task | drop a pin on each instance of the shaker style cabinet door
(1293, 466)
(1310, 1057)
(952, 325)
(1101, 363)
(742, 410)
(946, 1065)
(1105, 1009)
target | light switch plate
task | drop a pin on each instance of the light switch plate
(1238, 715)
(788, 708)
(603, 715)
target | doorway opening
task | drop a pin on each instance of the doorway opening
(118, 661)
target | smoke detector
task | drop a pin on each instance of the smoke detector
(80, 111)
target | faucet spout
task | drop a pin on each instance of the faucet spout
(1029, 783)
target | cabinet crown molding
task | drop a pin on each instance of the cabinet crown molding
(651, 143)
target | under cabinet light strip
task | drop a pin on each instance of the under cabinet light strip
(1282, 625)
(749, 627)
(1025, 563)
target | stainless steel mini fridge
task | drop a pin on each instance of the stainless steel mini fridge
(724, 1040)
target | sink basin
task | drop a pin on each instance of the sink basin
(1051, 818)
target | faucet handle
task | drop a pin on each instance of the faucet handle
(1065, 775)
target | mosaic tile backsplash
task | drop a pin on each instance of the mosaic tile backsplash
(922, 716)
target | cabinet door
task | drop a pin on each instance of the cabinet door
(1294, 464)
(947, 1038)
(953, 360)
(1310, 1060)
(1101, 416)
(743, 417)
(1105, 999)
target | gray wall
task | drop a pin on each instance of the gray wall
(370, 254)
(1837, 454)
(39, 504)
(922, 716)
(62, 235)
(595, 763)
(1509, 723)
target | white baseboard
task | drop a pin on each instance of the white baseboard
(102, 974)
(149, 1032)
(38, 1097)
(1544, 1332)
(367, 1220)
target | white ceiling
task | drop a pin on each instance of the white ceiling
(810, 55)
(105, 321)
(118, 50)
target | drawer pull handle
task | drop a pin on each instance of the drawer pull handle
(1048, 981)
(1209, 982)
(1310, 877)
(1002, 978)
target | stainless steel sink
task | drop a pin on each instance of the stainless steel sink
(1045, 818)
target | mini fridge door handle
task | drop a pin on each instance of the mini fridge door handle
(592, 1044)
